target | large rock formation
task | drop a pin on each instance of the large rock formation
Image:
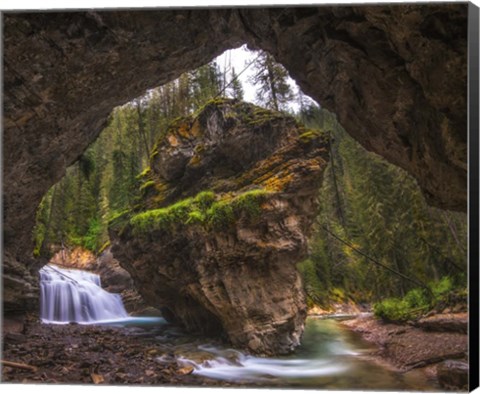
(395, 75)
(228, 203)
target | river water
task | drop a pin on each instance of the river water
(330, 357)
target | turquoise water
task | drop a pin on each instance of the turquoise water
(330, 357)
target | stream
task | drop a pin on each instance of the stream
(331, 356)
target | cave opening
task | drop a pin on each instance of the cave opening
(249, 285)
(112, 175)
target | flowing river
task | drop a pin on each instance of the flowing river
(330, 357)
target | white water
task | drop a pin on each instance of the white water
(325, 354)
(231, 365)
(76, 296)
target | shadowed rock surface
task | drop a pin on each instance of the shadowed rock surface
(227, 208)
(395, 75)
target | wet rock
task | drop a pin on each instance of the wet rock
(221, 256)
(453, 375)
(185, 371)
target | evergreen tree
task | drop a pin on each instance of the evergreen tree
(379, 209)
(236, 89)
(271, 82)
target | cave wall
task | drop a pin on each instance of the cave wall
(396, 76)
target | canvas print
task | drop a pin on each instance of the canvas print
(257, 197)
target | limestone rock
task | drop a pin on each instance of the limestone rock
(396, 76)
(115, 279)
(217, 237)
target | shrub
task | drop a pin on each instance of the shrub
(440, 288)
(392, 309)
(416, 302)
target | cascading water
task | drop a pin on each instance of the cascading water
(76, 296)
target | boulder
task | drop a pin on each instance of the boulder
(228, 202)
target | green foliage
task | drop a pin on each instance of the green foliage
(91, 240)
(271, 81)
(314, 286)
(379, 209)
(236, 89)
(204, 209)
(393, 309)
(442, 287)
(415, 303)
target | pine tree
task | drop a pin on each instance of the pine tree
(236, 89)
(271, 81)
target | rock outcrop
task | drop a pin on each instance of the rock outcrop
(228, 202)
(115, 279)
(396, 76)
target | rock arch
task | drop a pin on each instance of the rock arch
(395, 75)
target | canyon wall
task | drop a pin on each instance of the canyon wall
(396, 76)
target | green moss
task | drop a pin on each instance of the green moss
(206, 209)
(147, 185)
(205, 199)
(146, 172)
(220, 214)
(163, 218)
(196, 217)
(103, 247)
(250, 202)
(308, 136)
(118, 219)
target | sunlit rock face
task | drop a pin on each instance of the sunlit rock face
(227, 208)
(396, 76)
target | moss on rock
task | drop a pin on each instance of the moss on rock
(206, 209)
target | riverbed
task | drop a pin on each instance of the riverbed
(330, 357)
(139, 351)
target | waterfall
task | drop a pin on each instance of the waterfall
(76, 296)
